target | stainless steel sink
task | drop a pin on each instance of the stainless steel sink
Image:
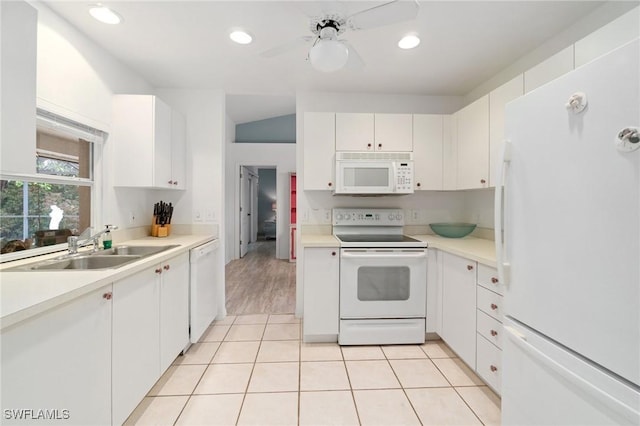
(133, 250)
(84, 262)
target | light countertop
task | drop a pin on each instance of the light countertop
(478, 249)
(24, 294)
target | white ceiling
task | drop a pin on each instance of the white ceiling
(185, 44)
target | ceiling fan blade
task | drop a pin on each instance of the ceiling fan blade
(278, 50)
(385, 14)
(355, 60)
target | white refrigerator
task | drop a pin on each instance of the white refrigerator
(570, 253)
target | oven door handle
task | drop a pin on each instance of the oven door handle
(379, 254)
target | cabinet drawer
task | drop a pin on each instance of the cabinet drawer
(490, 328)
(488, 278)
(490, 303)
(489, 363)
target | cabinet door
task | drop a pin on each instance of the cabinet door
(450, 152)
(178, 150)
(61, 360)
(174, 309)
(428, 151)
(394, 132)
(459, 306)
(136, 340)
(355, 132)
(18, 105)
(162, 145)
(550, 69)
(498, 99)
(319, 150)
(473, 145)
(321, 294)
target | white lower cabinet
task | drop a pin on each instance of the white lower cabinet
(60, 361)
(459, 306)
(433, 322)
(489, 363)
(321, 294)
(489, 327)
(136, 340)
(174, 309)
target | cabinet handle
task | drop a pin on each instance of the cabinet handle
(329, 184)
(469, 267)
(175, 182)
(159, 271)
(418, 184)
(494, 333)
(333, 253)
(493, 368)
(483, 181)
(494, 307)
(494, 280)
(108, 295)
(368, 145)
(166, 267)
(170, 182)
(379, 145)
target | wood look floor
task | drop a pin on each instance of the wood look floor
(259, 283)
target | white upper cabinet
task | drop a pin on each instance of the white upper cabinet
(473, 145)
(319, 150)
(450, 152)
(149, 150)
(18, 62)
(428, 146)
(355, 132)
(548, 70)
(374, 132)
(393, 132)
(498, 99)
(604, 40)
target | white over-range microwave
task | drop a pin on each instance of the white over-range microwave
(374, 173)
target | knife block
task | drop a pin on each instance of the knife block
(159, 230)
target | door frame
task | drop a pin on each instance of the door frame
(236, 204)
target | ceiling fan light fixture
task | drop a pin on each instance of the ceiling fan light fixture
(409, 41)
(328, 55)
(241, 37)
(104, 14)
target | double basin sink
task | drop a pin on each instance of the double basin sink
(102, 259)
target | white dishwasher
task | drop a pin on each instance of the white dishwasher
(203, 289)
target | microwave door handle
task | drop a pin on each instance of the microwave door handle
(394, 176)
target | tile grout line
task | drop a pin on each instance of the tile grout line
(244, 396)
(404, 391)
(353, 396)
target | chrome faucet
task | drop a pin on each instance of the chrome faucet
(85, 238)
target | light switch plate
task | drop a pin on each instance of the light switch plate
(197, 216)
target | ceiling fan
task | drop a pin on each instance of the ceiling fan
(329, 53)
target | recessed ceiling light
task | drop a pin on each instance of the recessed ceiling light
(409, 41)
(104, 14)
(240, 37)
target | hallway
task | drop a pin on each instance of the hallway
(259, 283)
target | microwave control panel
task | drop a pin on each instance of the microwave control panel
(404, 177)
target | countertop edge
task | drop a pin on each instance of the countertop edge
(103, 277)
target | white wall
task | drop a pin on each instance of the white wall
(283, 158)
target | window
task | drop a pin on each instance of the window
(45, 209)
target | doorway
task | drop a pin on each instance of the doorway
(248, 209)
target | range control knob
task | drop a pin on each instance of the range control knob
(399, 216)
(391, 217)
(347, 216)
(339, 216)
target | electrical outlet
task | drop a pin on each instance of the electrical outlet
(132, 218)
(197, 216)
(210, 215)
(327, 216)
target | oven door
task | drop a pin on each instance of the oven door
(383, 283)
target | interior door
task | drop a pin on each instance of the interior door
(245, 210)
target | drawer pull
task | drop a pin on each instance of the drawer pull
(494, 280)
(159, 271)
(107, 295)
(494, 307)
(166, 267)
(493, 368)
(333, 253)
(469, 267)
(494, 333)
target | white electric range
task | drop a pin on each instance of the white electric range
(383, 278)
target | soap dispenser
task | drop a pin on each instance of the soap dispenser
(106, 239)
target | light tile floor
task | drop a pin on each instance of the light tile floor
(254, 370)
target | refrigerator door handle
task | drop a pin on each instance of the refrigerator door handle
(615, 405)
(502, 263)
